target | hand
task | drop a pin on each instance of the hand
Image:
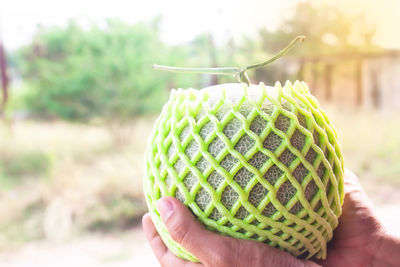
(360, 240)
(210, 248)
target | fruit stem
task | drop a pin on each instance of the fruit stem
(278, 55)
(214, 71)
(238, 73)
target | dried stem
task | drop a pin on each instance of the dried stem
(238, 73)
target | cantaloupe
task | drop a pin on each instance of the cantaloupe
(252, 162)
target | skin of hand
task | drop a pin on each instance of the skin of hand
(360, 239)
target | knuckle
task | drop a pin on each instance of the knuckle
(258, 257)
(239, 249)
(277, 260)
(164, 261)
(280, 259)
(221, 259)
(250, 253)
(180, 232)
(227, 255)
(269, 256)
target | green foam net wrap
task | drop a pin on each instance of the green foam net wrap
(252, 162)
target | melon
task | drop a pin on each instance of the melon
(253, 162)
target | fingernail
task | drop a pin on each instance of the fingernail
(165, 208)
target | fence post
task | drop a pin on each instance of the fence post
(314, 73)
(328, 81)
(359, 78)
(300, 73)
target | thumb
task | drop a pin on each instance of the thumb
(217, 250)
(187, 231)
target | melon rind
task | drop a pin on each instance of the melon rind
(260, 163)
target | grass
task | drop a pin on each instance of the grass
(60, 179)
(370, 143)
(82, 178)
(19, 165)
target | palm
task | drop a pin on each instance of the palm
(357, 238)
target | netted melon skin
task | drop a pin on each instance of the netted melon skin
(260, 163)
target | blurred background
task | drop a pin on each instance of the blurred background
(79, 98)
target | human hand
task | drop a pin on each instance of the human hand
(360, 239)
(210, 248)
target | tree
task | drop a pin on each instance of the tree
(328, 30)
(3, 78)
(100, 73)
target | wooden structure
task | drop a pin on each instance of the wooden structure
(370, 80)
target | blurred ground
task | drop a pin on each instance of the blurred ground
(117, 250)
(78, 199)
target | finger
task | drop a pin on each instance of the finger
(216, 250)
(163, 255)
(209, 248)
(354, 191)
(350, 179)
(187, 231)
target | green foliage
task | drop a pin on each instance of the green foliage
(26, 227)
(114, 212)
(16, 166)
(102, 72)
